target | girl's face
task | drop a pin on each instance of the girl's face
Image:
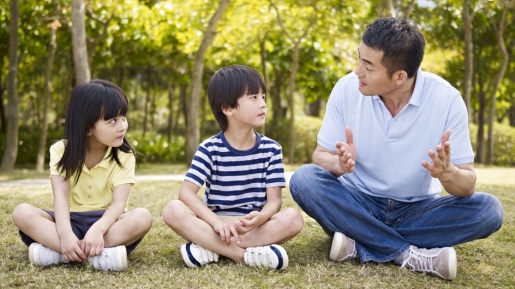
(110, 132)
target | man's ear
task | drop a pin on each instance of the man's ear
(400, 77)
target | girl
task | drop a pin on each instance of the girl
(91, 172)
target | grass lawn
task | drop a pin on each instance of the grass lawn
(157, 262)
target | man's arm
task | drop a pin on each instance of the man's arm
(340, 162)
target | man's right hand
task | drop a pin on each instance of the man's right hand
(346, 154)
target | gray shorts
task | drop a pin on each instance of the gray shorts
(81, 222)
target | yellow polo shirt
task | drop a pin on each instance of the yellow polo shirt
(94, 190)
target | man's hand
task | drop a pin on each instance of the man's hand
(441, 168)
(346, 153)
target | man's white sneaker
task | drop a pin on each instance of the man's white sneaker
(273, 256)
(440, 262)
(43, 256)
(342, 248)
(114, 259)
(196, 256)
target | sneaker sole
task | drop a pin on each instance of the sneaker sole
(34, 251)
(336, 247)
(282, 256)
(122, 258)
(453, 264)
(188, 257)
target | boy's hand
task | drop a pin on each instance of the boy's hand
(71, 249)
(93, 242)
(226, 230)
(248, 223)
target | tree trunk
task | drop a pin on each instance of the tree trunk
(480, 141)
(291, 103)
(169, 130)
(3, 117)
(193, 134)
(80, 50)
(390, 8)
(499, 31)
(11, 146)
(48, 83)
(469, 57)
(263, 54)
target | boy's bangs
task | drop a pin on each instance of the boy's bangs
(254, 85)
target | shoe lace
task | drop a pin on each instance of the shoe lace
(419, 261)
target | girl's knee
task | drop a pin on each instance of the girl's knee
(22, 213)
(143, 218)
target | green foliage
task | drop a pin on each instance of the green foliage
(306, 131)
(154, 147)
(504, 143)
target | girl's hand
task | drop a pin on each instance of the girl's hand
(93, 242)
(226, 230)
(71, 249)
(248, 223)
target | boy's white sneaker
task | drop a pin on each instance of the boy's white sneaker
(195, 256)
(43, 256)
(343, 248)
(440, 262)
(114, 259)
(273, 256)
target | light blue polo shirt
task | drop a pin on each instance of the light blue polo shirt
(390, 150)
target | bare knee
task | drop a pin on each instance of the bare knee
(142, 219)
(22, 213)
(292, 221)
(174, 212)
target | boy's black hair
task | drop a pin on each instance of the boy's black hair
(402, 44)
(89, 103)
(230, 83)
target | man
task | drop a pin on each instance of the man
(383, 153)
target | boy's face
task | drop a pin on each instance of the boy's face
(251, 111)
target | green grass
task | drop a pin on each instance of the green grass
(157, 263)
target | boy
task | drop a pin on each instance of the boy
(239, 216)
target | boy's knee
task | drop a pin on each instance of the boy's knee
(173, 212)
(294, 221)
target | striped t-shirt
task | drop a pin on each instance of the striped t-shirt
(236, 180)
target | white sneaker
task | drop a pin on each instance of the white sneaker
(43, 256)
(195, 256)
(343, 248)
(114, 259)
(273, 256)
(440, 262)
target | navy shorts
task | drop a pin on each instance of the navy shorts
(81, 222)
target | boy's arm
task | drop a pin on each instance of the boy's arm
(93, 243)
(188, 195)
(272, 207)
(70, 244)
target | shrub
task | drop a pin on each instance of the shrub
(504, 143)
(155, 147)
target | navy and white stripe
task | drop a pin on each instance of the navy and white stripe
(236, 180)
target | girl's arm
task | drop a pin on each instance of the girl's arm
(188, 195)
(70, 244)
(93, 243)
(272, 207)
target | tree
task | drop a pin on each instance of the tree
(293, 71)
(193, 134)
(80, 50)
(11, 149)
(48, 84)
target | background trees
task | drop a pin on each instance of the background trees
(152, 50)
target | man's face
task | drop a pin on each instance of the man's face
(373, 76)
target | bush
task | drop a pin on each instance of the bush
(155, 148)
(504, 143)
(306, 131)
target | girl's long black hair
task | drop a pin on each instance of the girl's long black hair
(89, 103)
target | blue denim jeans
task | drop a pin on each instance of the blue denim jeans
(384, 228)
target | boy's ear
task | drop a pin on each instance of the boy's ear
(227, 110)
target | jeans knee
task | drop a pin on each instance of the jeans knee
(494, 211)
